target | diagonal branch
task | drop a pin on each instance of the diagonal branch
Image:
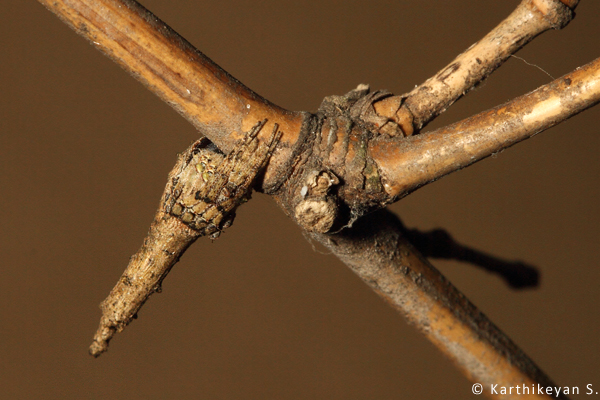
(409, 163)
(222, 108)
(376, 250)
(414, 110)
(217, 104)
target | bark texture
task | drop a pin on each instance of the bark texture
(377, 251)
(352, 157)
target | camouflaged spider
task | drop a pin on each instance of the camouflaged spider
(203, 191)
(208, 186)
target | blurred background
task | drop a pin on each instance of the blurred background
(261, 313)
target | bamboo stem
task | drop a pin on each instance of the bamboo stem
(217, 104)
(409, 163)
(376, 251)
(222, 108)
(414, 110)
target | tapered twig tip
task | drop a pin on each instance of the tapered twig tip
(101, 339)
(98, 348)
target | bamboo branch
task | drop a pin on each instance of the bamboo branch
(409, 163)
(376, 251)
(222, 108)
(414, 110)
(217, 104)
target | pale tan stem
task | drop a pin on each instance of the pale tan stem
(408, 163)
(220, 106)
(375, 249)
(414, 110)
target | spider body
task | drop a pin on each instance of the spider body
(203, 191)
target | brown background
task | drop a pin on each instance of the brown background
(260, 314)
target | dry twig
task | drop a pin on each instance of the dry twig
(352, 157)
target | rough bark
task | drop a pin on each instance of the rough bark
(414, 110)
(377, 251)
(415, 161)
(352, 157)
(217, 104)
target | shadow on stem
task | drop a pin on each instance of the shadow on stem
(438, 243)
